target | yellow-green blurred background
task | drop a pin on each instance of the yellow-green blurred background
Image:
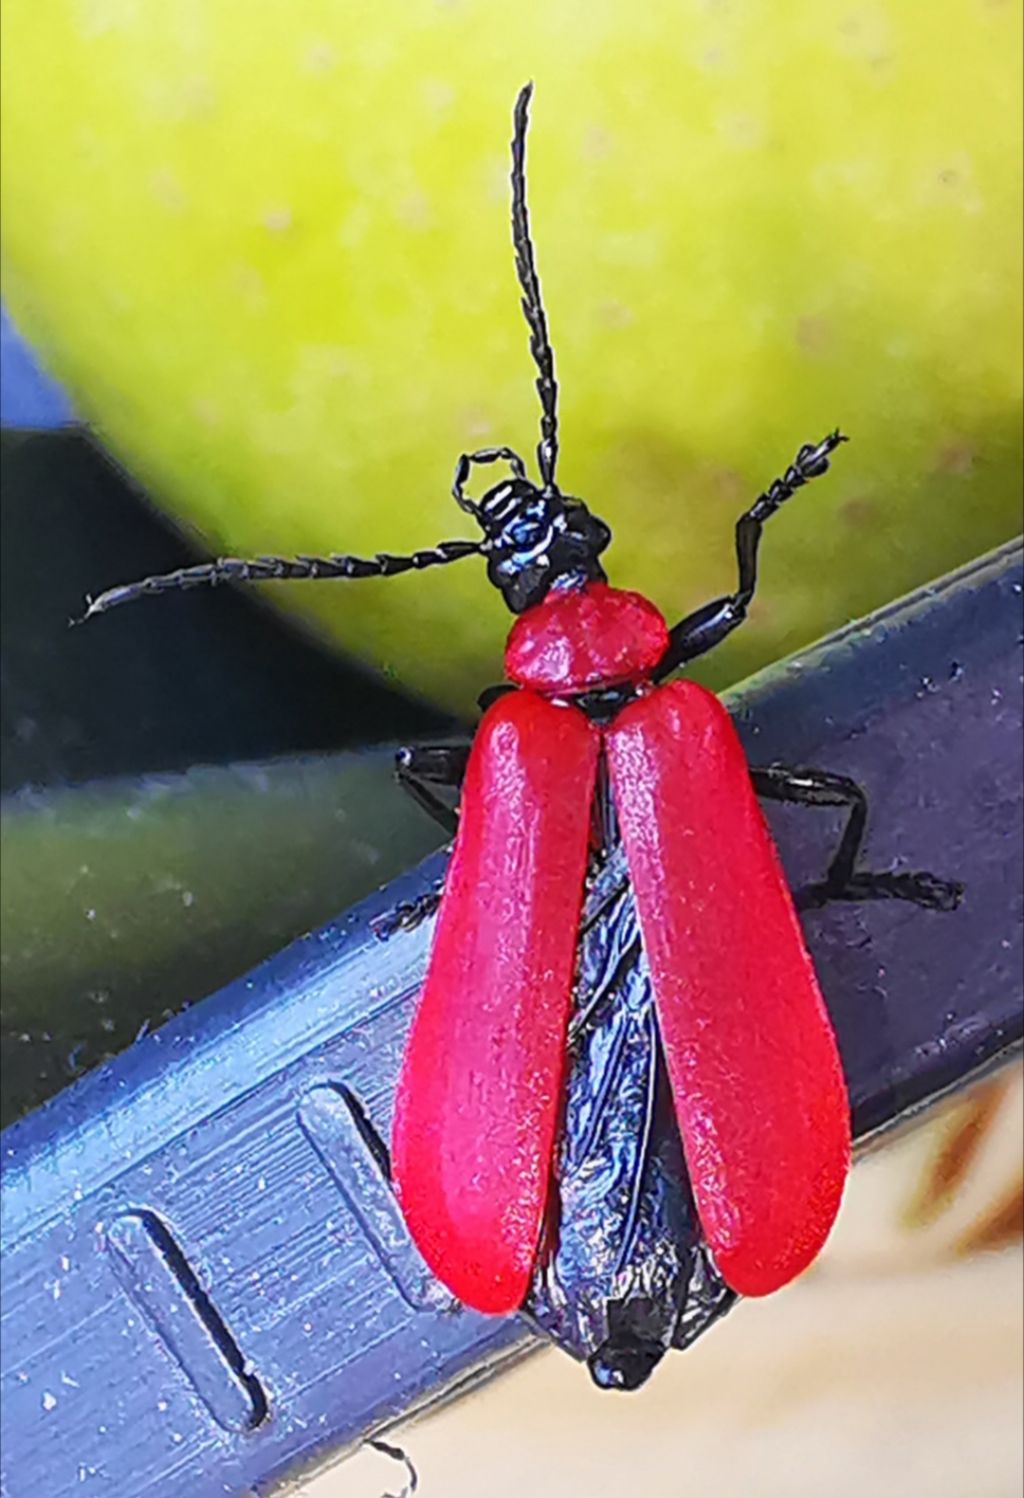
(267, 249)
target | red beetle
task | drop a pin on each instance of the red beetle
(756, 1080)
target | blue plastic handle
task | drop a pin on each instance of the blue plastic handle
(28, 396)
(205, 1277)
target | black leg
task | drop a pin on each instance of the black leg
(427, 765)
(708, 626)
(417, 770)
(490, 695)
(407, 915)
(842, 880)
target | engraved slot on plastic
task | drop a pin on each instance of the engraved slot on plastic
(154, 1272)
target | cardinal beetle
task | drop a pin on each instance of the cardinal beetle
(556, 1064)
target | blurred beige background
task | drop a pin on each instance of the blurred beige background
(892, 1369)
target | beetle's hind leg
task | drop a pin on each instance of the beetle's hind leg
(843, 880)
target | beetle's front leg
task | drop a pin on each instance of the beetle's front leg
(708, 626)
(843, 881)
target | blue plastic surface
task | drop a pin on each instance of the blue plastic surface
(205, 1279)
(187, 1245)
(28, 396)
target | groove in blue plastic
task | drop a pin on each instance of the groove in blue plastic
(330, 1118)
(153, 1271)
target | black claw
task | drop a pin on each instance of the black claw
(813, 461)
(937, 894)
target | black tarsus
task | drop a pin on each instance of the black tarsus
(708, 626)
(279, 569)
(407, 914)
(533, 306)
(842, 881)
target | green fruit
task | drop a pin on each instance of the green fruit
(124, 899)
(268, 251)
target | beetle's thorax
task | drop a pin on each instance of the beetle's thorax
(583, 638)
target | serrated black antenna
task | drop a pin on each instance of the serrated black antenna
(533, 307)
(278, 569)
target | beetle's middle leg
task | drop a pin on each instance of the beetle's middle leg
(417, 771)
(420, 768)
(843, 880)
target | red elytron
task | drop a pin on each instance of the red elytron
(584, 750)
(756, 1077)
(478, 1104)
(755, 1073)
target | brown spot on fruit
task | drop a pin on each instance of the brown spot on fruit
(814, 334)
(955, 458)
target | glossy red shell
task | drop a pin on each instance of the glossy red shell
(752, 1059)
(479, 1096)
(584, 638)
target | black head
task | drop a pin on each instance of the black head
(536, 539)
